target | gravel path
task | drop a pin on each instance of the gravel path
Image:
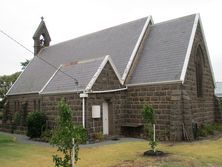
(25, 140)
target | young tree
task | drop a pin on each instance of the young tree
(24, 64)
(6, 82)
(149, 119)
(63, 135)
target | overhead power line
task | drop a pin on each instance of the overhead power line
(50, 64)
(15, 41)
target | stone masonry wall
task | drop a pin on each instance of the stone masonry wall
(107, 79)
(14, 104)
(202, 108)
(218, 109)
(116, 106)
(159, 97)
(50, 103)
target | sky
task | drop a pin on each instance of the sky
(68, 19)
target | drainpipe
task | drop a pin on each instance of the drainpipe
(83, 96)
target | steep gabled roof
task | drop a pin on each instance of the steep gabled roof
(140, 53)
(167, 51)
(81, 71)
(84, 71)
(118, 41)
(164, 52)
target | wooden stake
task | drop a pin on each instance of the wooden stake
(73, 152)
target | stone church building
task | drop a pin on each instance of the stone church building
(108, 76)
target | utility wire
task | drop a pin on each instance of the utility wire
(15, 41)
(50, 64)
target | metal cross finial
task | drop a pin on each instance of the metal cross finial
(42, 18)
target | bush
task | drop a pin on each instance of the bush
(98, 136)
(209, 129)
(1, 115)
(16, 118)
(36, 122)
(82, 134)
(46, 135)
(220, 104)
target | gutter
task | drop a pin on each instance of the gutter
(155, 83)
(109, 91)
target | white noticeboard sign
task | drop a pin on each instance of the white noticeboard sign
(96, 111)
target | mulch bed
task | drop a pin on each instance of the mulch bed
(154, 154)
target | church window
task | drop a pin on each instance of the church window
(199, 71)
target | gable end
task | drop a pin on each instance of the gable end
(106, 77)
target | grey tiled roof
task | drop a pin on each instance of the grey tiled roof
(118, 41)
(164, 51)
(161, 59)
(33, 77)
(82, 71)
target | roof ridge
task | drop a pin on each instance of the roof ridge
(82, 61)
(175, 19)
(91, 33)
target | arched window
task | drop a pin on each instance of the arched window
(42, 40)
(199, 71)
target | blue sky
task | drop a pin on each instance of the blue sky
(68, 19)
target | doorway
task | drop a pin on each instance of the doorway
(107, 119)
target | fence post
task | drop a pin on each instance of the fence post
(73, 152)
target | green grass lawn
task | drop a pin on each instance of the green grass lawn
(13, 154)
(201, 153)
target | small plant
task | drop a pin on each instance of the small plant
(83, 136)
(46, 135)
(24, 112)
(1, 114)
(209, 129)
(16, 119)
(220, 104)
(36, 122)
(148, 116)
(98, 136)
(63, 135)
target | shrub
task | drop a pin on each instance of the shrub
(82, 132)
(205, 130)
(16, 118)
(36, 122)
(1, 115)
(220, 104)
(46, 135)
(98, 136)
(217, 127)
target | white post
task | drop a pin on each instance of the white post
(83, 112)
(154, 135)
(73, 152)
(83, 96)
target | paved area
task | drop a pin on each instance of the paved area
(25, 140)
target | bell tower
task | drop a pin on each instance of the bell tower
(41, 37)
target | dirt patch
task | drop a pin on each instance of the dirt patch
(154, 154)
